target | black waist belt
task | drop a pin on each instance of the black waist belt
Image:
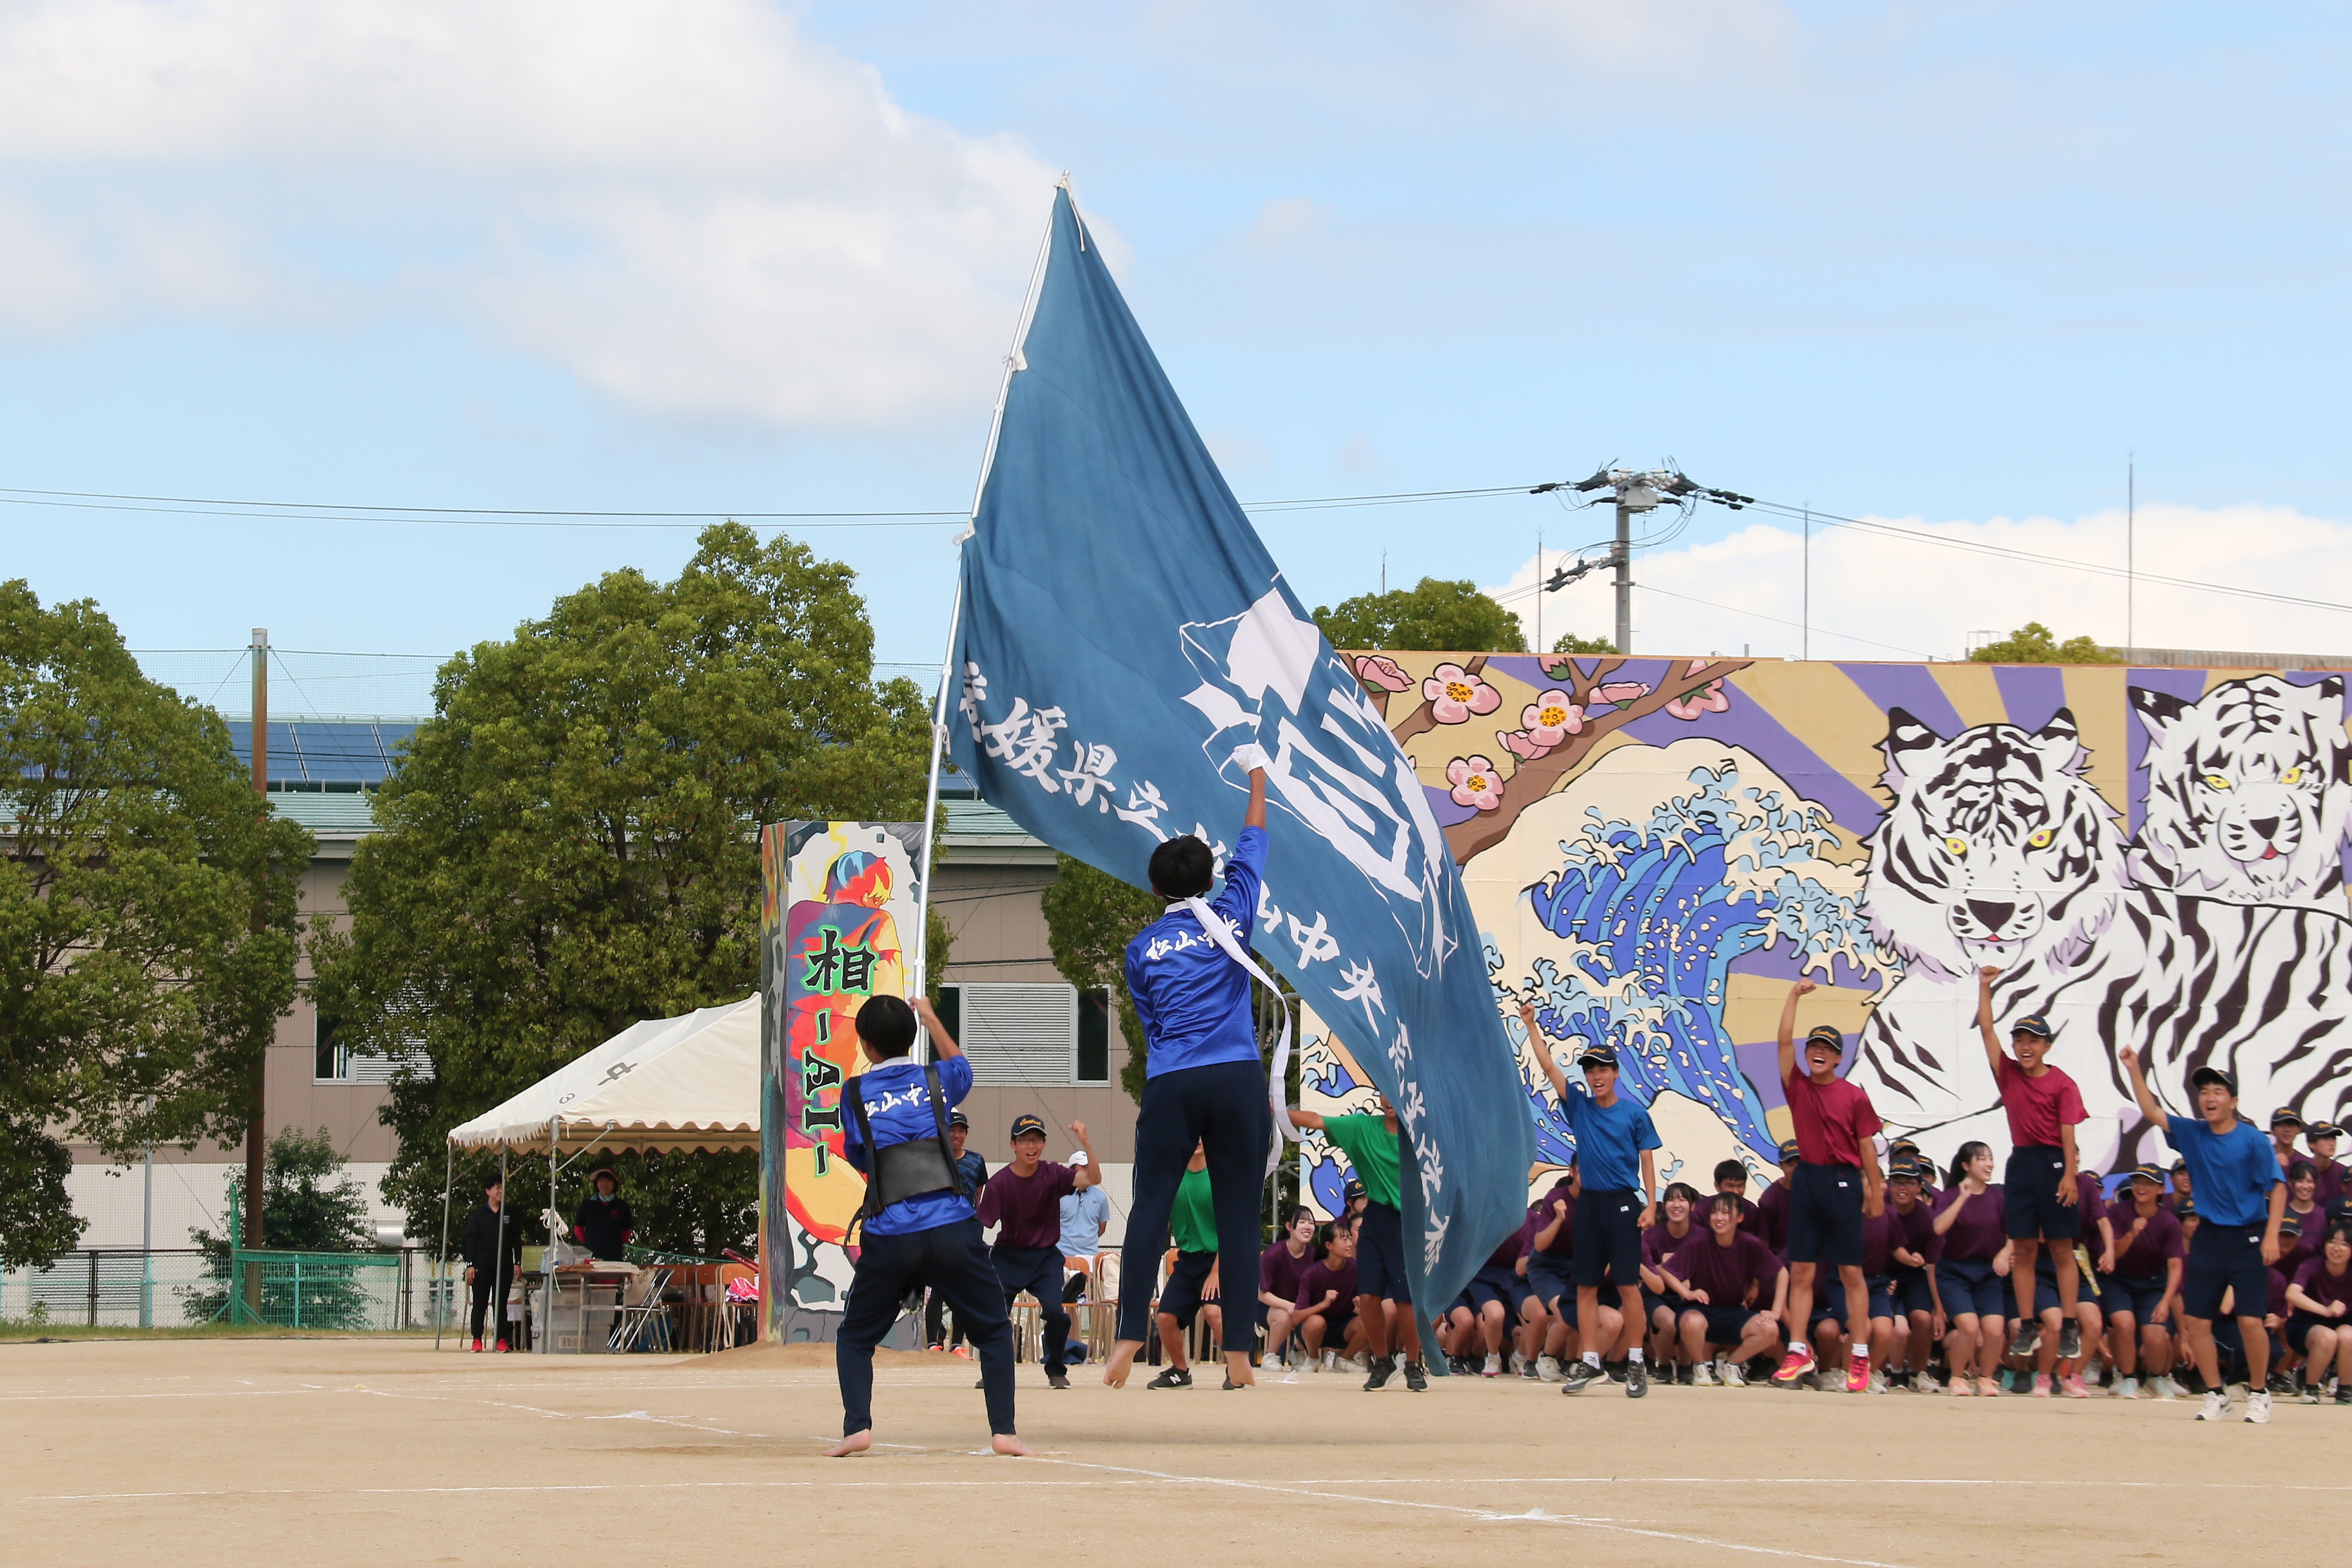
(911, 1169)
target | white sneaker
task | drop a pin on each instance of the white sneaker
(2167, 1388)
(2217, 1406)
(1922, 1383)
(1355, 1363)
(1518, 1364)
(1732, 1377)
(1703, 1376)
(1331, 1361)
(1547, 1368)
(1877, 1382)
(2126, 1388)
(1493, 1367)
(2258, 1408)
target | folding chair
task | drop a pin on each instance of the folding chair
(642, 1321)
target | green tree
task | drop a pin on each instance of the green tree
(1432, 614)
(1091, 917)
(147, 915)
(308, 1205)
(1570, 643)
(571, 844)
(2034, 643)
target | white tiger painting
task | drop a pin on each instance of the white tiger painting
(2249, 792)
(1996, 851)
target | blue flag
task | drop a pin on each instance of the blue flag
(1123, 634)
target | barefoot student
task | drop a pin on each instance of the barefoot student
(2043, 1106)
(1204, 1084)
(918, 1227)
(2241, 1198)
(1024, 1200)
(1836, 1183)
(1371, 1145)
(1615, 1144)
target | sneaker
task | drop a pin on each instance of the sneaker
(1331, 1361)
(1686, 1375)
(1528, 1371)
(504, 1348)
(1922, 1383)
(1230, 1384)
(2125, 1388)
(1547, 1368)
(937, 1349)
(1878, 1384)
(2070, 1341)
(1518, 1364)
(2166, 1388)
(963, 1351)
(1057, 1378)
(2280, 1384)
(2313, 1394)
(1703, 1376)
(1493, 1367)
(1269, 1362)
(1383, 1369)
(1581, 1375)
(2026, 1340)
(1793, 1365)
(1354, 1364)
(1811, 1381)
(2217, 1406)
(1857, 1375)
(1174, 1377)
(2344, 1393)
(2258, 1408)
(1637, 1379)
(1416, 1377)
(478, 1347)
(2040, 1385)
(1732, 1373)
(2074, 1387)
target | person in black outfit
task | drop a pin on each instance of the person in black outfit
(488, 1256)
(974, 1171)
(604, 1225)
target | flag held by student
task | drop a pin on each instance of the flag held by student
(1126, 648)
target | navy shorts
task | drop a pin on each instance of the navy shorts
(1834, 1304)
(1491, 1284)
(2045, 1289)
(1969, 1284)
(2224, 1257)
(1651, 1302)
(1551, 1278)
(1181, 1294)
(2138, 1296)
(1608, 1236)
(2031, 1180)
(1380, 1254)
(1724, 1325)
(1912, 1292)
(1825, 1215)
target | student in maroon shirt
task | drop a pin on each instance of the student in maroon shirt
(2320, 1299)
(1280, 1270)
(2043, 1106)
(1836, 1184)
(1771, 1217)
(2322, 1136)
(1024, 1200)
(1676, 1227)
(2140, 1283)
(1971, 1276)
(1912, 1252)
(1325, 1311)
(1731, 1176)
(1724, 1281)
(2286, 1129)
(2303, 1208)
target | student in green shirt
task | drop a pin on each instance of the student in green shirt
(1191, 1287)
(1372, 1146)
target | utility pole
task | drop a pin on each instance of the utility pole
(255, 1138)
(2131, 541)
(1638, 491)
(1539, 598)
(1805, 646)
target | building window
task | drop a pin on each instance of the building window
(1022, 1034)
(1094, 1037)
(333, 1061)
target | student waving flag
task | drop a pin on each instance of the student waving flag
(1127, 653)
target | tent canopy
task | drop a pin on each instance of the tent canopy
(663, 1084)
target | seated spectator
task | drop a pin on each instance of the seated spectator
(1325, 1311)
(1912, 1255)
(2139, 1280)
(2319, 1299)
(1724, 1281)
(1972, 1274)
(1731, 1176)
(2321, 1138)
(1674, 1226)
(1280, 1271)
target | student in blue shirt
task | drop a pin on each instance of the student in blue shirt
(2241, 1199)
(919, 1226)
(1204, 1083)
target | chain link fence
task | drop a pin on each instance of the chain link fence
(171, 1287)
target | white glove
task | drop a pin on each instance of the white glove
(1249, 754)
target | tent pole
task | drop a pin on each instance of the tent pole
(544, 1344)
(499, 1257)
(449, 1169)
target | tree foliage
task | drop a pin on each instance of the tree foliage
(1570, 642)
(2034, 643)
(147, 915)
(570, 844)
(1432, 615)
(308, 1205)
(1091, 917)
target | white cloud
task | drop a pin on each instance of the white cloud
(1873, 596)
(692, 206)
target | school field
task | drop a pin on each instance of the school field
(380, 1451)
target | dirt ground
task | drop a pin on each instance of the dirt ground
(332, 1451)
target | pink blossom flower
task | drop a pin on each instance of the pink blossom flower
(1454, 694)
(1379, 669)
(1551, 719)
(1522, 744)
(1474, 782)
(1708, 699)
(1617, 693)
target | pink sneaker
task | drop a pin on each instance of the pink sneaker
(1857, 1375)
(2040, 1385)
(2074, 1386)
(1793, 1365)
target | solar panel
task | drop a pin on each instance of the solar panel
(325, 753)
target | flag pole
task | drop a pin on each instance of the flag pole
(1012, 362)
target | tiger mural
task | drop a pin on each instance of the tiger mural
(2249, 792)
(1996, 851)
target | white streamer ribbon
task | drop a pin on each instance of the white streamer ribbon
(1222, 934)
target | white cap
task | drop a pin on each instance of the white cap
(1079, 1158)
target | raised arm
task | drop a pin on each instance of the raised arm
(1985, 977)
(1087, 1174)
(1550, 1232)
(1306, 1119)
(1950, 1216)
(1255, 815)
(2150, 1106)
(1542, 1049)
(943, 1046)
(1788, 1029)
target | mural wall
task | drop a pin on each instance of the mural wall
(838, 901)
(1655, 849)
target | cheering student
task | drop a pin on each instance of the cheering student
(2140, 1280)
(1972, 1219)
(1280, 1270)
(1730, 1176)
(1771, 1217)
(2184, 1187)
(2241, 1199)
(1616, 1146)
(2302, 1206)
(1193, 1287)
(1884, 1235)
(2043, 1106)
(2286, 1131)
(1724, 1281)
(1204, 1084)
(1674, 1226)
(918, 1226)
(1024, 1200)
(1326, 1309)
(1836, 1184)
(1370, 1143)
(1552, 1272)
(2322, 1136)
(2321, 1299)
(1912, 1252)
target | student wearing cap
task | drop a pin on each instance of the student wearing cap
(2241, 1198)
(1281, 1269)
(1024, 1200)
(2140, 1282)
(2320, 1300)
(917, 1227)
(1616, 1146)
(1884, 1246)
(2184, 1187)
(1972, 1221)
(1192, 1288)
(1204, 1083)
(2043, 1106)
(2322, 1136)
(2287, 1131)
(1724, 1281)
(1772, 1218)
(1836, 1184)
(973, 1170)
(1373, 1147)
(1085, 1220)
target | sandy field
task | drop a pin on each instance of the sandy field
(380, 1451)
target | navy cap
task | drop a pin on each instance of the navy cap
(1606, 1055)
(2285, 1119)
(2151, 1171)
(1826, 1035)
(2179, 1167)
(2204, 1076)
(958, 1119)
(1024, 1125)
(2323, 1129)
(1903, 1171)
(2290, 1226)
(1788, 1150)
(2033, 1023)
(2185, 1209)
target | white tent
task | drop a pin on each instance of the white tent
(665, 1084)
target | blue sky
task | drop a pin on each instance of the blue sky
(1946, 264)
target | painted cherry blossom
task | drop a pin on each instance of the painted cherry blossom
(1550, 719)
(1617, 693)
(1379, 669)
(1474, 782)
(1708, 699)
(1520, 744)
(1454, 694)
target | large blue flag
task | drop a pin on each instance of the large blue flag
(1124, 632)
